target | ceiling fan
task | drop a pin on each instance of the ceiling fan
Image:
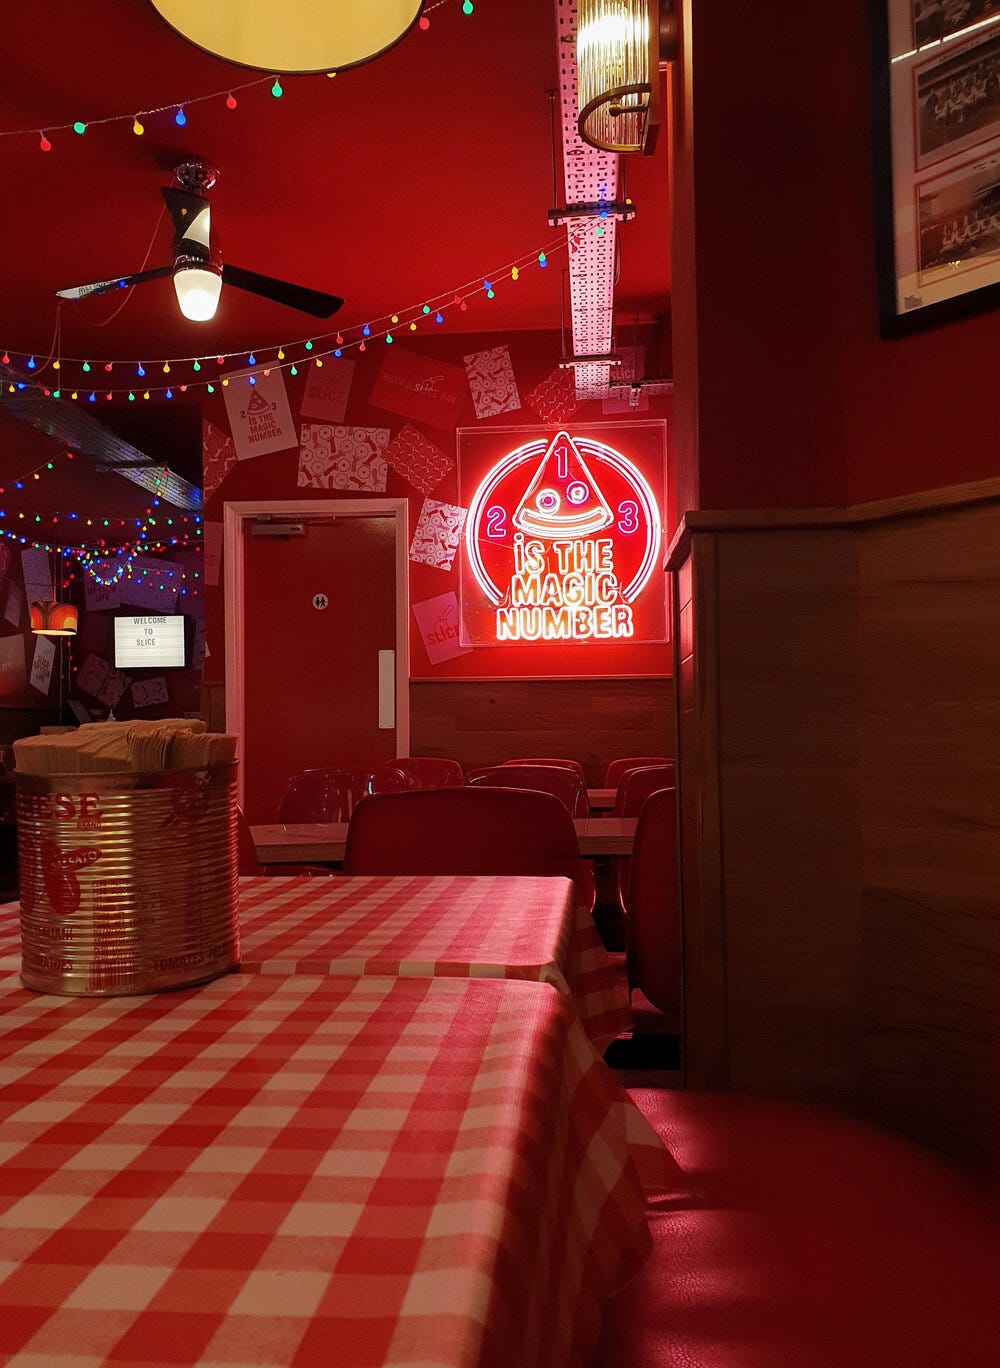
(198, 270)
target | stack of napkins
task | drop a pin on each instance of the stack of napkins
(125, 747)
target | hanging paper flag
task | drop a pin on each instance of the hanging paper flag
(438, 626)
(554, 398)
(332, 457)
(420, 388)
(11, 665)
(6, 556)
(492, 382)
(13, 609)
(326, 392)
(218, 456)
(37, 575)
(437, 534)
(149, 693)
(115, 684)
(43, 664)
(418, 459)
(259, 417)
(150, 584)
(92, 674)
(211, 536)
(100, 597)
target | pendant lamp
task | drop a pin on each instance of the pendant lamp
(50, 618)
(304, 36)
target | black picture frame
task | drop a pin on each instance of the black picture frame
(936, 138)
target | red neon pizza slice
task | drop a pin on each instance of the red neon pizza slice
(563, 500)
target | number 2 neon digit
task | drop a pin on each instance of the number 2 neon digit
(628, 516)
(496, 521)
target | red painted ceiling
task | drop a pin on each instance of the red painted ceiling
(403, 179)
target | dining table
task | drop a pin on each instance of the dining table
(324, 842)
(506, 926)
(313, 1171)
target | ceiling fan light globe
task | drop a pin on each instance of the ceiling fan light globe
(197, 289)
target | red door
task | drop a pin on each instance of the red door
(317, 610)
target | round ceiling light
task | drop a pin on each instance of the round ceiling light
(306, 35)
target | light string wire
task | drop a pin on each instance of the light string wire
(136, 115)
(407, 317)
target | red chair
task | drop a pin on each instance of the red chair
(331, 795)
(462, 831)
(563, 784)
(652, 926)
(636, 785)
(429, 771)
(634, 788)
(805, 1239)
(617, 768)
(573, 765)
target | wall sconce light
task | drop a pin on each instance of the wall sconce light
(303, 37)
(621, 46)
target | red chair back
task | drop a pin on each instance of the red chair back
(616, 768)
(573, 765)
(652, 927)
(331, 795)
(636, 785)
(429, 771)
(462, 831)
(563, 784)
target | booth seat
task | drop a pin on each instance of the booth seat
(806, 1239)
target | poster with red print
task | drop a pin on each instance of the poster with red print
(554, 398)
(418, 459)
(327, 389)
(218, 456)
(421, 388)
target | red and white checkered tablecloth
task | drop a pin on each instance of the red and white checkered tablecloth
(447, 927)
(309, 1172)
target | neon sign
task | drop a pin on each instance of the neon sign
(561, 538)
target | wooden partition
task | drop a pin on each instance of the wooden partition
(482, 722)
(838, 708)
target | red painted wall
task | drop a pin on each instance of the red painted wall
(533, 356)
(797, 400)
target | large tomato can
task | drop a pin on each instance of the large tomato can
(128, 882)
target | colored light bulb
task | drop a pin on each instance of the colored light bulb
(309, 346)
(439, 317)
(86, 365)
(251, 360)
(338, 352)
(424, 23)
(514, 273)
(31, 363)
(426, 309)
(79, 127)
(367, 330)
(276, 89)
(467, 6)
(230, 101)
(388, 339)
(196, 366)
(140, 369)
(137, 128)
(44, 143)
(294, 370)
(180, 118)
(281, 354)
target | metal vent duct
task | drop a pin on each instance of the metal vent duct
(73, 427)
(589, 177)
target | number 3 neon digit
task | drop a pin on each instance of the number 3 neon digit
(496, 521)
(628, 516)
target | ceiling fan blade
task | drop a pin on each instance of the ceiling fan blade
(313, 302)
(119, 283)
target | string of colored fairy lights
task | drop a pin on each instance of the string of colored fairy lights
(432, 309)
(177, 108)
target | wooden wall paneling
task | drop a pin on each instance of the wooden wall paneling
(930, 803)
(932, 1020)
(788, 742)
(482, 722)
(705, 1050)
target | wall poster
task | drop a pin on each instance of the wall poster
(563, 539)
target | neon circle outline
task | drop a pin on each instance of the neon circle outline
(598, 451)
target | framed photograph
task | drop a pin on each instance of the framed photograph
(936, 84)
